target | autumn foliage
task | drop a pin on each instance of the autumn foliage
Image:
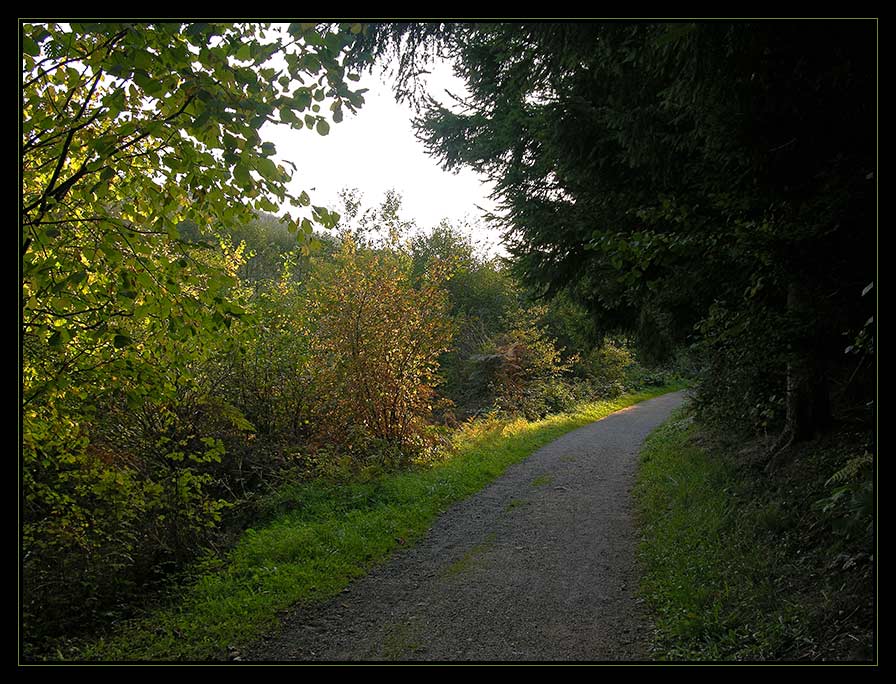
(375, 345)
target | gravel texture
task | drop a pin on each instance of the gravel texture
(538, 566)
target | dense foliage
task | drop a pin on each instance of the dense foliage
(183, 351)
(138, 142)
(376, 344)
(186, 353)
(717, 174)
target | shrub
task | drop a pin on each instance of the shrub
(523, 371)
(111, 510)
(375, 342)
(609, 368)
(265, 372)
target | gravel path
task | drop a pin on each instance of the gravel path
(538, 566)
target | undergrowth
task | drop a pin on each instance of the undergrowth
(740, 565)
(319, 535)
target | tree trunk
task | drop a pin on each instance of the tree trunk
(808, 395)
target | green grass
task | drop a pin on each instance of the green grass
(470, 557)
(543, 480)
(738, 564)
(684, 504)
(331, 534)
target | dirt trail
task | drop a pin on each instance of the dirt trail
(538, 566)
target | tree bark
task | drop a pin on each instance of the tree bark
(808, 394)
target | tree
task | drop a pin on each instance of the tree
(140, 143)
(663, 172)
(128, 130)
(130, 133)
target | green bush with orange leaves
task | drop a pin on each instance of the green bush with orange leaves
(377, 334)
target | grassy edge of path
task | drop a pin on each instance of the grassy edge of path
(739, 565)
(332, 534)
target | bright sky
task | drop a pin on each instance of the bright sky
(376, 150)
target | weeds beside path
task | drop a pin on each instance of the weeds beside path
(740, 565)
(337, 532)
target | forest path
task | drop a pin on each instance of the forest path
(538, 566)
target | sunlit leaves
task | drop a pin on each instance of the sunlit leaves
(377, 338)
(131, 129)
(139, 143)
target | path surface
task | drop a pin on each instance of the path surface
(538, 566)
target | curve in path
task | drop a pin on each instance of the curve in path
(538, 566)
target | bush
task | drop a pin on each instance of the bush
(609, 368)
(266, 373)
(111, 511)
(522, 370)
(375, 341)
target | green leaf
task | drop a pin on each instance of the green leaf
(143, 60)
(121, 341)
(59, 338)
(115, 102)
(143, 80)
(287, 115)
(323, 127)
(30, 47)
(267, 169)
(241, 175)
(302, 99)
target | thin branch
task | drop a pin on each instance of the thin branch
(79, 58)
(49, 141)
(63, 155)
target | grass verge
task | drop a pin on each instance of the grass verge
(740, 565)
(329, 534)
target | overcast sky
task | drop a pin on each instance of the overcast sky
(375, 150)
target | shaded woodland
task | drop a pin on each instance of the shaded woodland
(678, 200)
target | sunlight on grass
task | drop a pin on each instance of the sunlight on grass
(333, 534)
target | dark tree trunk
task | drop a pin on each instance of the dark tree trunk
(808, 394)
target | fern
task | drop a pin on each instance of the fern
(851, 470)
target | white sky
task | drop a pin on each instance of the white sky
(376, 150)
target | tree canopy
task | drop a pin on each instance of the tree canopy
(128, 130)
(672, 175)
